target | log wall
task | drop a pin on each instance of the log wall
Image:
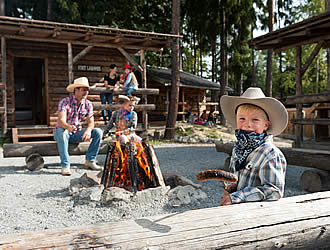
(56, 70)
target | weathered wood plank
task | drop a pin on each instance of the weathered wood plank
(301, 157)
(139, 107)
(139, 91)
(319, 121)
(312, 98)
(300, 222)
(46, 149)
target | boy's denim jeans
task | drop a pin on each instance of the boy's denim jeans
(106, 98)
(63, 139)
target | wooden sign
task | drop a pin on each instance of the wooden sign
(94, 68)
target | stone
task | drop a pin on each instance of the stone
(151, 195)
(88, 179)
(90, 194)
(114, 194)
(185, 195)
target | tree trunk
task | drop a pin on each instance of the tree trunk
(50, 10)
(2, 8)
(223, 60)
(253, 80)
(269, 82)
(173, 107)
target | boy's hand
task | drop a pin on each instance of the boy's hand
(226, 200)
(231, 188)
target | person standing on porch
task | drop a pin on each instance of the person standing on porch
(72, 111)
(110, 81)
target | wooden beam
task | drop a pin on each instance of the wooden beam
(295, 156)
(298, 222)
(310, 98)
(299, 114)
(311, 57)
(56, 33)
(22, 30)
(139, 107)
(143, 64)
(139, 91)
(319, 121)
(130, 59)
(81, 54)
(4, 82)
(70, 63)
(83, 43)
(88, 35)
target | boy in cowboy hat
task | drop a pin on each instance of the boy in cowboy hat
(124, 118)
(258, 163)
(71, 112)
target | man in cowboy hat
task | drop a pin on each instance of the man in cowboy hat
(258, 163)
(72, 111)
(123, 119)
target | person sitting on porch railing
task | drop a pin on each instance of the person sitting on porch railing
(71, 112)
(258, 163)
(130, 82)
(124, 120)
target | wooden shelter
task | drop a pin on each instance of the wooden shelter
(313, 30)
(40, 58)
(192, 92)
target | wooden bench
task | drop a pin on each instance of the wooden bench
(296, 222)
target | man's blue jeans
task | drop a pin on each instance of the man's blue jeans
(106, 98)
(63, 138)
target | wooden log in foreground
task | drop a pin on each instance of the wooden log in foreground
(299, 222)
(294, 156)
(311, 98)
(46, 149)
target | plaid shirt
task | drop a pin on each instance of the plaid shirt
(263, 177)
(116, 118)
(75, 113)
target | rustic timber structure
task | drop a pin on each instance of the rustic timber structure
(192, 92)
(40, 58)
(314, 30)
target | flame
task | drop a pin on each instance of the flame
(122, 173)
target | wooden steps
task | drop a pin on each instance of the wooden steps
(31, 132)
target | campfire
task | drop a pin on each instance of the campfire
(132, 166)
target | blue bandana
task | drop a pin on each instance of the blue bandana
(125, 114)
(245, 144)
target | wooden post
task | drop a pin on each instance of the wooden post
(70, 63)
(183, 104)
(144, 85)
(198, 101)
(4, 82)
(299, 114)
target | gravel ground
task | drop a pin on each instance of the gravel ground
(34, 201)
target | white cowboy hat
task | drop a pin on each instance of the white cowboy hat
(277, 113)
(81, 82)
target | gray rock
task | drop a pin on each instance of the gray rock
(115, 194)
(150, 195)
(90, 194)
(174, 180)
(185, 195)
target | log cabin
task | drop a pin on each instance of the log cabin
(192, 92)
(40, 58)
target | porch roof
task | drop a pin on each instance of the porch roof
(308, 31)
(187, 80)
(54, 32)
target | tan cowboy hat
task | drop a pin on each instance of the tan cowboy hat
(125, 99)
(81, 82)
(277, 113)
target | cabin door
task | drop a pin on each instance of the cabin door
(29, 84)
